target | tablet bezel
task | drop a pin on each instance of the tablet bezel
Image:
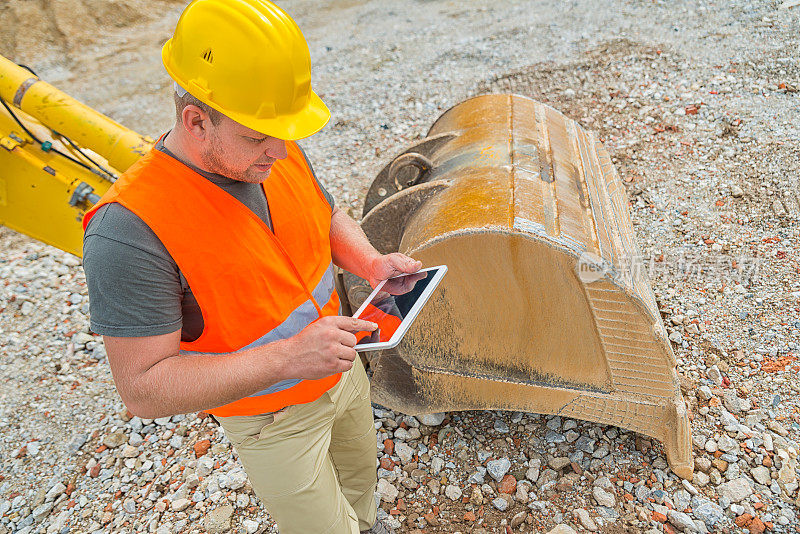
(408, 320)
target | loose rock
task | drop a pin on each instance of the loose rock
(218, 521)
(585, 520)
(736, 490)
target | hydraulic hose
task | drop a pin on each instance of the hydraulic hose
(120, 146)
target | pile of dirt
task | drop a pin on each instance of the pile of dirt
(604, 92)
(34, 29)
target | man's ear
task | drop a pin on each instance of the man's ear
(195, 121)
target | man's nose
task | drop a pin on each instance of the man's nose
(276, 148)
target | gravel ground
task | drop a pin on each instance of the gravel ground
(698, 104)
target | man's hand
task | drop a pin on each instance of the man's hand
(352, 251)
(325, 347)
(389, 265)
(155, 380)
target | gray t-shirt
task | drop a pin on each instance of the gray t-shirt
(135, 287)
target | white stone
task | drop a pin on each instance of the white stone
(219, 520)
(736, 490)
(761, 475)
(453, 492)
(714, 375)
(603, 497)
(236, 478)
(204, 466)
(437, 464)
(732, 401)
(727, 443)
(682, 521)
(386, 491)
(778, 428)
(402, 434)
(129, 451)
(404, 452)
(704, 393)
(432, 419)
(82, 338)
(532, 474)
(787, 476)
(180, 504)
(135, 439)
(689, 487)
(55, 491)
(192, 481)
(585, 520)
(500, 503)
(498, 468)
(700, 479)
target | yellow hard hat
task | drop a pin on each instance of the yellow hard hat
(248, 60)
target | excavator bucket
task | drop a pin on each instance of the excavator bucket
(545, 308)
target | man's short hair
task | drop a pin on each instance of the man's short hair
(183, 98)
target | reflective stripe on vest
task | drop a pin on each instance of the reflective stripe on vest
(302, 316)
(253, 285)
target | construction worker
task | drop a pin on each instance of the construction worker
(210, 272)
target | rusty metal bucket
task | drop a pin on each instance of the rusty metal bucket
(543, 309)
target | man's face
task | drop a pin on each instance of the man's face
(239, 153)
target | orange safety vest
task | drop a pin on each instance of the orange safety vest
(253, 285)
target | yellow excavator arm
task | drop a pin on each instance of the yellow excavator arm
(57, 157)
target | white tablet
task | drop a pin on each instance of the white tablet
(394, 305)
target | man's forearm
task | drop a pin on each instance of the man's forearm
(350, 248)
(191, 382)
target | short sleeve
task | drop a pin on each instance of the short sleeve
(134, 284)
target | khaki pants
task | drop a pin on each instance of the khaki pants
(313, 465)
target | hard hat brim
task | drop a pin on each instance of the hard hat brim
(306, 122)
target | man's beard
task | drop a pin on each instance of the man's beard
(214, 161)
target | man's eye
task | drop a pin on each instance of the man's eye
(253, 139)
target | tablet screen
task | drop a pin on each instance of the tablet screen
(392, 304)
